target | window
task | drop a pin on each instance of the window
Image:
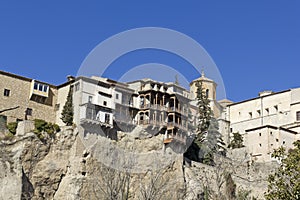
(250, 115)
(276, 108)
(207, 92)
(35, 86)
(271, 133)
(117, 96)
(298, 115)
(258, 112)
(107, 118)
(45, 88)
(40, 87)
(90, 99)
(259, 134)
(6, 92)
(260, 145)
(104, 103)
(267, 111)
(28, 111)
(277, 140)
(230, 130)
(38, 99)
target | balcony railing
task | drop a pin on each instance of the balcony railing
(174, 109)
(171, 125)
(153, 106)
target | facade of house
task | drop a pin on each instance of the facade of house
(24, 98)
(159, 107)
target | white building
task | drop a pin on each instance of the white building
(267, 122)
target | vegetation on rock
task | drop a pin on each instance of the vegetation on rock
(285, 182)
(41, 127)
(12, 127)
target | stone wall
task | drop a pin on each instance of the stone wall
(19, 99)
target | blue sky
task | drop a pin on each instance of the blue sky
(255, 44)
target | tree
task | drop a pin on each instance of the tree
(204, 113)
(212, 143)
(203, 122)
(237, 141)
(67, 112)
(204, 117)
(285, 182)
(157, 185)
(208, 140)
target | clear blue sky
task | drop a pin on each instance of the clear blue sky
(255, 44)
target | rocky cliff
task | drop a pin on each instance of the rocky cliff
(63, 167)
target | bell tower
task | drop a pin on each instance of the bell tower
(208, 85)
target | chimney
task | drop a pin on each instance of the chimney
(70, 78)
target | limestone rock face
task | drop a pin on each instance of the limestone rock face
(134, 167)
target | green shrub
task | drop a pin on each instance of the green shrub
(43, 126)
(12, 127)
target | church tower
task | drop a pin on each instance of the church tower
(210, 88)
(208, 85)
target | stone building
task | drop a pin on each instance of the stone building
(25, 98)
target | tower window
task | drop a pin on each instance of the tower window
(105, 103)
(207, 92)
(6, 92)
